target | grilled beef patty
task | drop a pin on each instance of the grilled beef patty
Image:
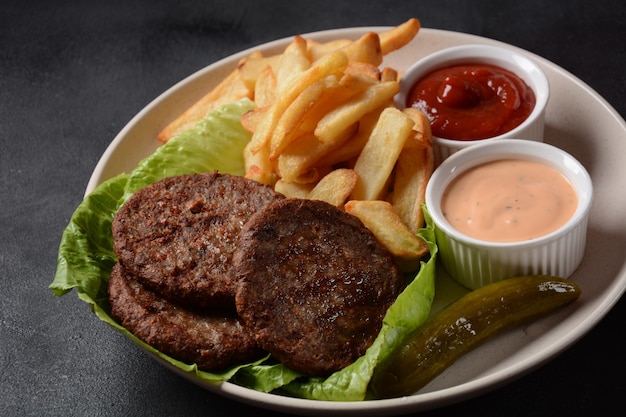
(177, 236)
(213, 341)
(315, 284)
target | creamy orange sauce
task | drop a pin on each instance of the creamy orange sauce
(509, 200)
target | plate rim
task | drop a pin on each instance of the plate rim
(416, 402)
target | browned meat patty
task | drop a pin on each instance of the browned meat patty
(213, 342)
(315, 284)
(178, 235)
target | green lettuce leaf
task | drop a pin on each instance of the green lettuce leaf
(86, 254)
(86, 257)
(215, 143)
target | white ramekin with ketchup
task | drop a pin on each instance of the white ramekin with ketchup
(513, 220)
(474, 93)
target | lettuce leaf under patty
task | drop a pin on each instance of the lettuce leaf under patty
(86, 257)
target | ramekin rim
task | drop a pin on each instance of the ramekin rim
(585, 194)
(437, 59)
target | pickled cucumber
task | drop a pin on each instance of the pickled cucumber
(464, 325)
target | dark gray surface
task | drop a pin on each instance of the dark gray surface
(72, 74)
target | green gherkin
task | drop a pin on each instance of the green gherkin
(465, 325)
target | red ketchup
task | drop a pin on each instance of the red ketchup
(468, 102)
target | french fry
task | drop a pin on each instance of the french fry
(293, 189)
(366, 49)
(294, 114)
(350, 149)
(251, 68)
(413, 169)
(307, 151)
(316, 49)
(264, 96)
(382, 220)
(293, 61)
(232, 88)
(389, 74)
(395, 38)
(330, 64)
(257, 164)
(379, 155)
(353, 81)
(297, 57)
(265, 88)
(250, 120)
(298, 157)
(335, 187)
(364, 72)
(313, 175)
(336, 121)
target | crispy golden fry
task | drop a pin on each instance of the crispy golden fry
(254, 65)
(257, 164)
(313, 175)
(397, 37)
(363, 71)
(245, 81)
(377, 159)
(250, 119)
(232, 88)
(265, 88)
(293, 189)
(423, 136)
(349, 150)
(264, 96)
(353, 81)
(335, 187)
(294, 115)
(293, 76)
(304, 153)
(333, 63)
(316, 49)
(337, 120)
(413, 170)
(366, 49)
(300, 156)
(389, 74)
(258, 142)
(382, 220)
(293, 61)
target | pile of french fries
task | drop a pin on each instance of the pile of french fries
(325, 127)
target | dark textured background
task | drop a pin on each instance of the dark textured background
(72, 74)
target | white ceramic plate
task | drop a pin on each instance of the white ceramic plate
(577, 120)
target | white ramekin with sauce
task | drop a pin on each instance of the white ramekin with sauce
(471, 93)
(524, 203)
